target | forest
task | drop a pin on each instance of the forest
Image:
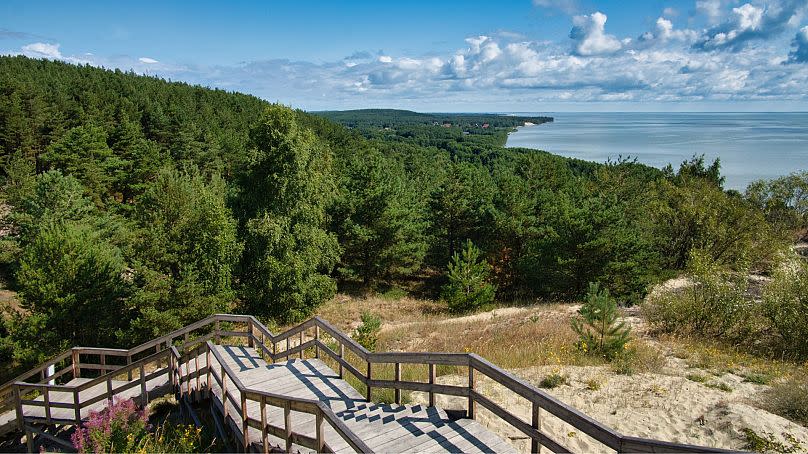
(132, 206)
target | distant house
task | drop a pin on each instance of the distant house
(486, 125)
(447, 124)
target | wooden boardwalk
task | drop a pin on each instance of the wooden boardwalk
(262, 399)
(384, 428)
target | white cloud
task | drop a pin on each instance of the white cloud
(147, 60)
(566, 6)
(800, 43)
(711, 9)
(670, 12)
(758, 21)
(590, 36)
(42, 50)
(385, 59)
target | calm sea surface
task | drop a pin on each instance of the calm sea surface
(751, 145)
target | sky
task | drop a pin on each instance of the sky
(448, 56)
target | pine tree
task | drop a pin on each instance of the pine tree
(599, 330)
(469, 287)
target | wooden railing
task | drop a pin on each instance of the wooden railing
(306, 336)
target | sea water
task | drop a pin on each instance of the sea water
(751, 146)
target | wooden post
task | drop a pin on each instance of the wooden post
(185, 339)
(250, 341)
(369, 377)
(103, 363)
(196, 366)
(210, 369)
(397, 388)
(342, 356)
(431, 382)
(472, 388)
(29, 440)
(224, 394)
(77, 405)
(218, 335)
(287, 348)
(46, 396)
(245, 428)
(129, 363)
(261, 351)
(264, 434)
(18, 405)
(143, 393)
(76, 365)
(301, 345)
(319, 431)
(316, 340)
(109, 389)
(287, 424)
(535, 446)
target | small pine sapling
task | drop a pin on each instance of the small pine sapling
(598, 328)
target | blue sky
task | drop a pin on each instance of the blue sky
(539, 55)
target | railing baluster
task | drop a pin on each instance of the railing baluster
(46, 396)
(18, 405)
(76, 405)
(535, 446)
(301, 344)
(129, 363)
(244, 427)
(287, 424)
(143, 393)
(287, 348)
(472, 388)
(210, 369)
(109, 389)
(196, 366)
(264, 434)
(224, 393)
(316, 341)
(319, 430)
(431, 382)
(218, 335)
(369, 377)
(76, 364)
(250, 341)
(397, 389)
(342, 356)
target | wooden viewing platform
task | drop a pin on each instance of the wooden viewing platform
(292, 391)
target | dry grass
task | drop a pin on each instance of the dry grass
(344, 311)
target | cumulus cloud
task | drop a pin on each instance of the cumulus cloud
(665, 31)
(147, 60)
(670, 12)
(752, 22)
(589, 34)
(42, 50)
(800, 44)
(711, 9)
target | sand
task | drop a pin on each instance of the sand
(659, 406)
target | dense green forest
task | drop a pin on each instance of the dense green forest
(133, 205)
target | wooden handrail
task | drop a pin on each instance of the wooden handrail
(539, 399)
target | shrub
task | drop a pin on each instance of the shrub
(553, 380)
(785, 303)
(117, 428)
(599, 330)
(367, 334)
(469, 287)
(713, 306)
(789, 400)
(768, 443)
(637, 357)
(122, 427)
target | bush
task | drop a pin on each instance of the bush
(117, 428)
(469, 287)
(599, 330)
(785, 305)
(121, 427)
(367, 334)
(789, 400)
(713, 306)
(553, 380)
(637, 357)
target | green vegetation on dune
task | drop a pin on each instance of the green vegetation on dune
(151, 204)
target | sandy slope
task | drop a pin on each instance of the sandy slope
(666, 407)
